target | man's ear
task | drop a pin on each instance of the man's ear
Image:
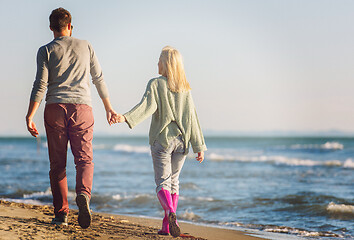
(69, 26)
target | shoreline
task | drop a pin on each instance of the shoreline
(27, 221)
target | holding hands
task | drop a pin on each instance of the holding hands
(113, 117)
(110, 114)
(117, 118)
(120, 118)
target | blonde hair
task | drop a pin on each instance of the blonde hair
(172, 68)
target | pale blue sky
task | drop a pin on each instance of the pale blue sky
(253, 65)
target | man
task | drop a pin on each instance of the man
(63, 68)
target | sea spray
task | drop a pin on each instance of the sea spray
(189, 215)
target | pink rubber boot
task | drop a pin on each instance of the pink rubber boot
(165, 226)
(169, 226)
(175, 203)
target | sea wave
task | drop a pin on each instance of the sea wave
(26, 201)
(279, 160)
(300, 232)
(325, 146)
(45, 194)
(349, 163)
(36, 195)
(200, 199)
(284, 229)
(137, 198)
(340, 211)
(189, 215)
(131, 149)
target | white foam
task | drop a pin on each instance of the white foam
(26, 201)
(48, 192)
(189, 215)
(119, 197)
(131, 149)
(336, 163)
(349, 163)
(292, 233)
(299, 232)
(326, 146)
(236, 224)
(333, 146)
(275, 160)
(340, 208)
(205, 199)
(202, 199)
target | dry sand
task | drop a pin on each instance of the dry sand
(26, 221)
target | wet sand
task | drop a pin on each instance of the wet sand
(26, 221)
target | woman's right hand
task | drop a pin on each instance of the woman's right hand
(200, 157)
(120, 118)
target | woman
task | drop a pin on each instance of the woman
(174, 125)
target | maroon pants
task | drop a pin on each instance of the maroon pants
(74, 123)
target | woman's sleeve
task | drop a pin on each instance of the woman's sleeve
(144, 109)
(197, 139)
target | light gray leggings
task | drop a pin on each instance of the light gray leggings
(168, 164)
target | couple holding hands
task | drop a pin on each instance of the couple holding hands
(63, 69)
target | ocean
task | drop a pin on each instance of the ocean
(298, 186)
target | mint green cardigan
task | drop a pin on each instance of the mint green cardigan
(173, 114)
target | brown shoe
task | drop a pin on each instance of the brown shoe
(61, 220)
(84, 219)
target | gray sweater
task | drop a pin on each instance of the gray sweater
(64, 66)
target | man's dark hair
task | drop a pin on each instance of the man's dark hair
(59, 19)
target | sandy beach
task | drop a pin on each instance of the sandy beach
(26, 221)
